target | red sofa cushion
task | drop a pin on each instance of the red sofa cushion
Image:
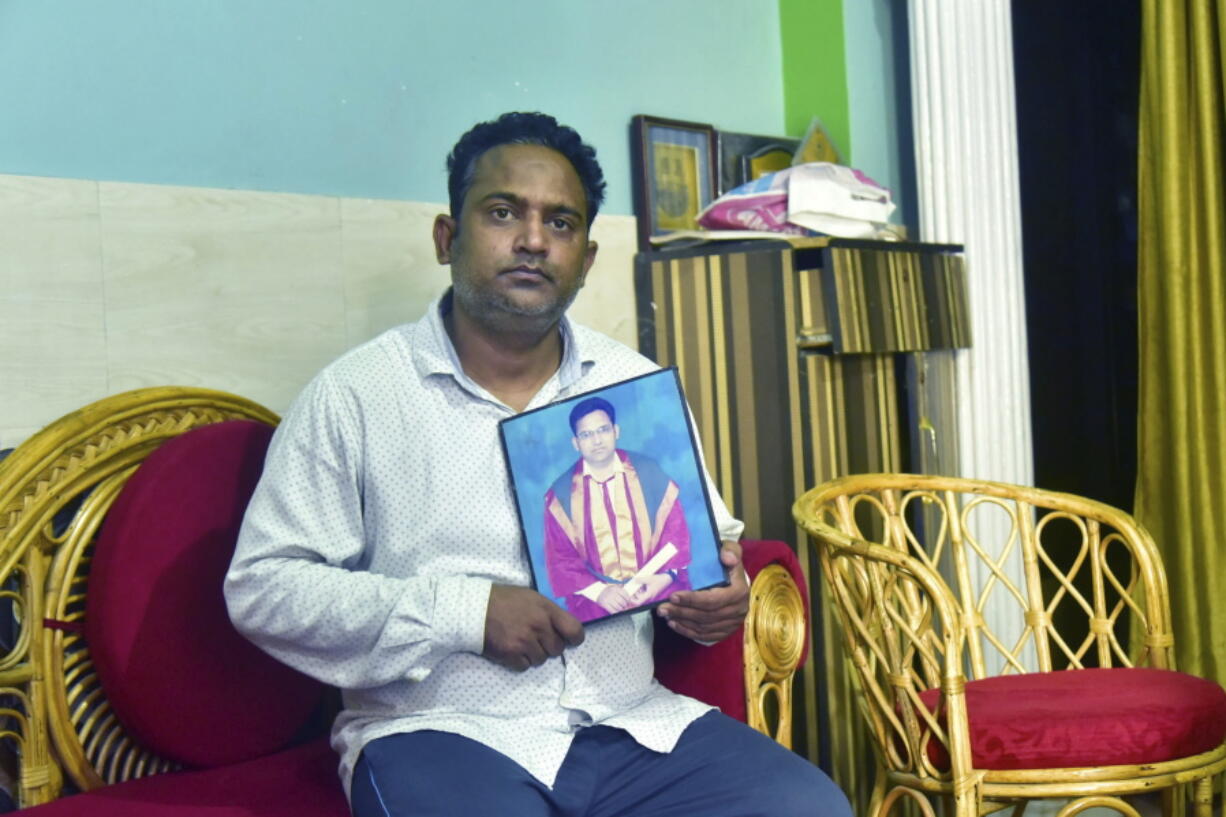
(176, 672)
(299, 782)
(702, 672)
(1091, 717)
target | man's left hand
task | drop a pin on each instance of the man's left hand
(713, 614)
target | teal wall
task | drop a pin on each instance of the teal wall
(365, 97)
(360, 97)
(879, 93)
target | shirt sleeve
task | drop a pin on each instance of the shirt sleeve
(297, 587)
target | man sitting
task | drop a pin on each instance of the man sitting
(382, 553)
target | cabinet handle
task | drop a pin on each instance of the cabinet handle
(812, 339)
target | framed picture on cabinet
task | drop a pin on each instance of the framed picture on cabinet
(673, 167)
(744, 157)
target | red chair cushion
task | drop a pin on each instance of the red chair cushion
(715, 674)
(176, 672)
(299, 782)
(1091, 717)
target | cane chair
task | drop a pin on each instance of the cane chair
(130, 467)
(1074, 696)
(56, 492)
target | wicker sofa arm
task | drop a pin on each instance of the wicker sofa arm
(749, 674)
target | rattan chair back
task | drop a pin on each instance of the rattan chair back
(55, 490)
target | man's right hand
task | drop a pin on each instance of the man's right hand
(523, 628)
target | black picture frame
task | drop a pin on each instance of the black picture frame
(673, 174)
(581, 548)
(739, 151)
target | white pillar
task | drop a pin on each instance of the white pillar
(967, 182)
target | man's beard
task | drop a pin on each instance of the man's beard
(499, 311)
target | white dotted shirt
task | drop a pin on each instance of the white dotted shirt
(382, 518)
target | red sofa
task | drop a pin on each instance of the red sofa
(116, 526)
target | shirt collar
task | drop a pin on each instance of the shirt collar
(433, 351)
(618, 469)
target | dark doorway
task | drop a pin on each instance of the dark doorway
(1077, 71)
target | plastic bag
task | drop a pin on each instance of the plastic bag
(808, 199)
(837, 200)
(758, 205)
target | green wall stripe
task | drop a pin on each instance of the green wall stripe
(815, 69)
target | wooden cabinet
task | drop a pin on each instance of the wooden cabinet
(803, 362)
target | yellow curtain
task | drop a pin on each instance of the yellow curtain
(1181, 483)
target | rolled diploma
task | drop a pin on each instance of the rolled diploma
(635, 583)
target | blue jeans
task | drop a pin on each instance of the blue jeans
(719, 768)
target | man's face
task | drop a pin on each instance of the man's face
(596, 439)
(520, 251)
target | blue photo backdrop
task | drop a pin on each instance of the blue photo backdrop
(652, 418)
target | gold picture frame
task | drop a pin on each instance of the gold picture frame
(673, 174)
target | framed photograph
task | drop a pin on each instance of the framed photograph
(614, 510)
(673, 174)
(744, 157)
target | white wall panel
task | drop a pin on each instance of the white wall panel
(112, 286)
(226, 289)
(389, 267)
(52, 321)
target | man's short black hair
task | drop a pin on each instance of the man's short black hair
(523, 129)
(585, 407)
